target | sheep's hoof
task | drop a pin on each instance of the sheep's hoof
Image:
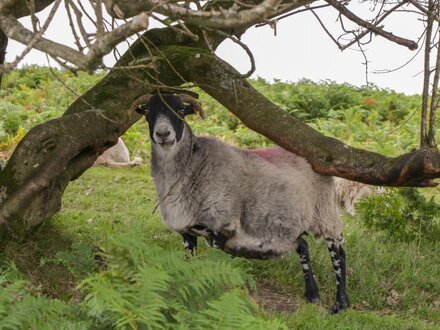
(312, 298)
(338, 308)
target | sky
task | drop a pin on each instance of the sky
(300, 50)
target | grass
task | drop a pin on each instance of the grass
(106, 202)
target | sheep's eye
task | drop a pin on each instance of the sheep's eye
(141, 109)
(181, 111)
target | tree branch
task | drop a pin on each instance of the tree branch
(15, 30)
(378, 21)
(221, 18)
(339, 6)
(327, 155)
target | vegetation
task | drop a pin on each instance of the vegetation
(107, 261)
(403, 214)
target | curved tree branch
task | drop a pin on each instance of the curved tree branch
(327, 155)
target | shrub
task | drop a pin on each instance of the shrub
(11, 123)
(402, 214)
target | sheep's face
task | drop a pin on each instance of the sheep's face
(165, 114)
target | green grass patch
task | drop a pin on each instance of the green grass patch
(89, 266)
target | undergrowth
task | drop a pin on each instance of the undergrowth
(402, 214)
(140, 286)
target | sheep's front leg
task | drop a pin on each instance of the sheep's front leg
(213, 239)
(190, 243)
(312, 291)
(338, 260)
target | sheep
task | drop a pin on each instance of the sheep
(252, 204)
(117, 156)
(349, 193)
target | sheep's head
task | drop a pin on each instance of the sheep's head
(165, 114)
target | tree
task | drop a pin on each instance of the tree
(169, 58)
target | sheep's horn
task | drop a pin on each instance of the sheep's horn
(195, 104)
(141, 100)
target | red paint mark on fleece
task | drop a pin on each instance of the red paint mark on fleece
(268, 153)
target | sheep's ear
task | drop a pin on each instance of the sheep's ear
(142, 109)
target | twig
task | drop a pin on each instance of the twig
(325, 29)
(424, 10)
(97, 7)
(72, 26)
(410, 44)
(277, 19)
(30, 4)
(36, 37)
(86, 13)
(78, 15)
(80, 97)
(245, 48)
(379, 20)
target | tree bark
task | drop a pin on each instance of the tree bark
(3, 45)
(60, 150)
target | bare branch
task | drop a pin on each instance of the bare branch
(15, 30)
(424, 10)
(37, 36)
(109, 40)
(426, 78)
(410, 44)
(72, 26)
(246, 49)
(325, 29)
(378, 21)
(278, 18)
(434, 100)
(81, 28)
(222, 18)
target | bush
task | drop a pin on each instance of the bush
(402, 214)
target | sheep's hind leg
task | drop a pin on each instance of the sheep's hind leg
(190, 243)
(312, 291)
(338, 260)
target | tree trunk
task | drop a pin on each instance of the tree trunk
(3, 45)
(60, 150)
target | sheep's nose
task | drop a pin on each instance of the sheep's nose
(163, 134)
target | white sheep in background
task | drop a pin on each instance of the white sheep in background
(117, 156)
(349, 193)
(254, 204)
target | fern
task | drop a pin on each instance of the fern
(148, 287)
(140, 287)
(21, 310)
(231, 311)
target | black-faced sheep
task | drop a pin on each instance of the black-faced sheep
(254, 204)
